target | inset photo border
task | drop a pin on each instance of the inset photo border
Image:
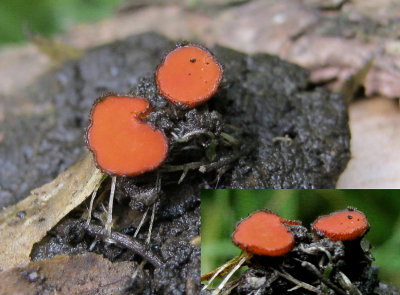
(354, 248)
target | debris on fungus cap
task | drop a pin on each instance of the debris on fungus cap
(345, 225)
(289, 222)
(263, 233)
(189, 75)
(123, 144)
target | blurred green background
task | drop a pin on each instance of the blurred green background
(47, 17)
(222, 209)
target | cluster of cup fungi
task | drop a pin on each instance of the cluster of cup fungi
(330, 260)
(125, 144)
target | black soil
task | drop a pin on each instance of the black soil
(261, 93)
(265, 128)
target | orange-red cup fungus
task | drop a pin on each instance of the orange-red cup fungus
(343, 225)
(263, 233)
(122, 143)
(189, 75)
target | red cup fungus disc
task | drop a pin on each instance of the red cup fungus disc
(343, 225)
(122, 143)
(263, 233)
(189, 75)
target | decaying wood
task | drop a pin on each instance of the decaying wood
(82, 274)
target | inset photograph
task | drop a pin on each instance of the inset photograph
(300, 242)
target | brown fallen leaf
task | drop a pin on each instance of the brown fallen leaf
(375, 146)
(353, 82)
(263, 26)
(81, 274)
(28, 221)
(293, 29)
(57, 52)
(380, 11)
(310, 37)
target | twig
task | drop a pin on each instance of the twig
(219, 270)
(91, 206)
(188, 136)
(207, 167)
(175, 168)
(225, 268)
(228, 291)
(221, 286)
(301, 284)
(110, 206)
(229, 138)
(127, 242)
(139, 268)
(311, 268)
(313, 249)
(346, 283)
(183, 175)
(286, 139)
(151, 224)
(140, 223)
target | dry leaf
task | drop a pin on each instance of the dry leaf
(81, 274)
(355, 81)
(305, 36)
(291, 29)
(58, 52)
(375, 146)
(28, 221)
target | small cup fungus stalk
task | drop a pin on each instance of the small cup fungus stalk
(122, 143)
(189, 75)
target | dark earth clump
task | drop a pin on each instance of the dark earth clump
(265, 128)
(301, 134)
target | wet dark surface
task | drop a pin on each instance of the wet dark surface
(262, 95)
(265, 128)
(38, 147)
